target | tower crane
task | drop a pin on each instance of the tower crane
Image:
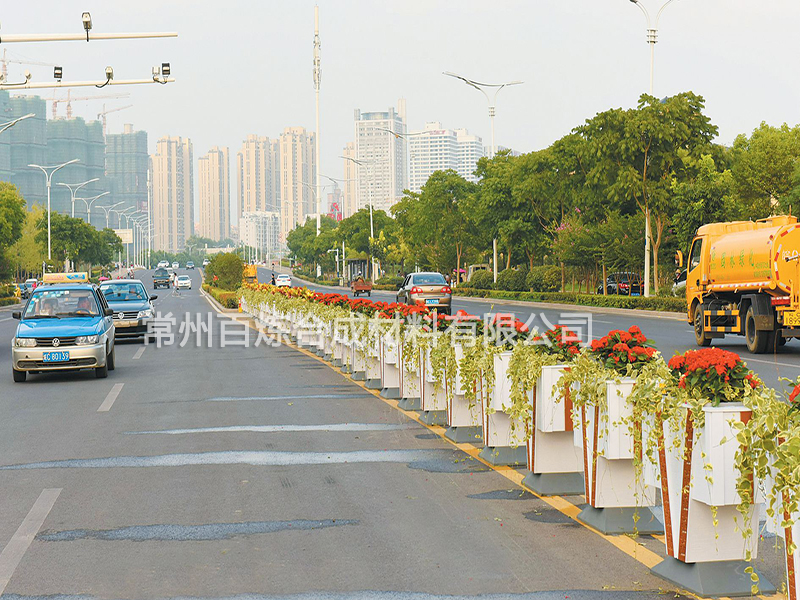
(5, 60)
(102, 115)
(69, 100)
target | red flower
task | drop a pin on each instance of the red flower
(794, 394)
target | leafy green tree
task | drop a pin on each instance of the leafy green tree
(764, 169)
(225, 271)
(354, 232)
(26, 255)
(12, 220)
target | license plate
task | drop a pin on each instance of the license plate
(52, 357)
(791, 318)
(431, 301)
(634, 293)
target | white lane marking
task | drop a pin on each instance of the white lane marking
(139, 353)
(112, 395)
(606, 322)
(15, 549)
(770, 362)
(6, 319)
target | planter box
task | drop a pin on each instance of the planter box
(390, 351)
(390, 374)
(690, 500)
(552, 414)
(609, 448)
(433, 394)
(459, 411)
(503, 437)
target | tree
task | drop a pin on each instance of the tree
(26, 255)
(225, 271)
(764, 169)
(354, 231)
(12, 219)
(638, 153)
(75, 240)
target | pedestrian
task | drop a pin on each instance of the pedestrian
(273, 280)
(175, 291)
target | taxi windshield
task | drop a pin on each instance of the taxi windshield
(54, 303)
(123, 292)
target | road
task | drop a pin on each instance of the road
(216, 472)
(671, 334)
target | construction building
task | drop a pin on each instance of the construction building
(23, 144)
(172, 181)
(127, 162)
(214, 198)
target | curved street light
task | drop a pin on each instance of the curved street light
(73, 189)
(10, 124)
(88, 202)
(48, 176)
(107, 210)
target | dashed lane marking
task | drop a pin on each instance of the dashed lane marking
(112, 396)
(15, 549)
(139, 353)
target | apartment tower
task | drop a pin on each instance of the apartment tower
(214, 198)
(298, 171)
(173, 199)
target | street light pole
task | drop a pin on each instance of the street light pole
(48, 175)
(317, 81)
(652, 38)
(10, 124)
(73, 189)
(367, 164)
(107, 210)
(88, 202)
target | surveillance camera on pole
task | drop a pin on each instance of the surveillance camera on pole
(87, 23)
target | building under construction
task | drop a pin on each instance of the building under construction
(127, 162)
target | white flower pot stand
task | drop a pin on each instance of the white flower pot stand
(705, 558)
(409, 384)
(555, 464)
(503, 437)
(390, 372)
(347, 356)
(790, 535)
(432, 393)
(359, 362)
(617, 500)
(464, 419)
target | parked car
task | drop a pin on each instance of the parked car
(132, 306)
(426, 289)
(623, 283)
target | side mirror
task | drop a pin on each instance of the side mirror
(16, 315)
(108, 312)
(153, 298)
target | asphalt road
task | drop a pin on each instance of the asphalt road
(671, 334)
(260, 471)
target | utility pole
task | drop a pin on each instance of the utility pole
(317, 81)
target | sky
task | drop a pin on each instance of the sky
(245, 66)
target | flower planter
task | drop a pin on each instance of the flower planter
(617, 500)
(359, 361)
(555, 464)
(503, 437)
(390, 373)
(409, 382)
(373, 372)
(463, 420)
(433, 393)
(705, 557)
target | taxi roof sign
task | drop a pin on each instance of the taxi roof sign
(65, 278)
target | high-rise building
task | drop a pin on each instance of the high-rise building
(172, 193)
(382, 177)
(28, 145)
(126, 168)
(214, 201)
(470, 150)
(257, 175)
(350, 192)
(437, 149)
(334, 204)
(68, 139)
(298, 172)
(261, 230)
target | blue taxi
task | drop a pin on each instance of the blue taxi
(65, 325)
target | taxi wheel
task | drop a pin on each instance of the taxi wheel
(19, 376)
(102, 372)
(111, 359)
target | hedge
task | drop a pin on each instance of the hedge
(9, 301)
(660, 303)
(224, 297)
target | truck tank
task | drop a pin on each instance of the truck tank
(744, 256)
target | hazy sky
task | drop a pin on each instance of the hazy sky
(245, 66)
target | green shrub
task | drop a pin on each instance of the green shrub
(512, 280)
(8, 301)
(481, 280)
(7, 290)
(667, 304)
(391, 280)
(226, 298)
(228, 269)
(546, 278)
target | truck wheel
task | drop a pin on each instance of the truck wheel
(756, 340)
(699, 331)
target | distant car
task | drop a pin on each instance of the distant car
(26, 288)
(205, 262)
(161, 278)
(184, 282)
(132, 306)
(679, 287)
(283, 280)
(623, 283)
(176, 265)
(190, 265)
(163, 264)
(426, 289)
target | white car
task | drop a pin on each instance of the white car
(283, 280)
(184, 281)
(176, 265)
(205, 262)
(163, 264)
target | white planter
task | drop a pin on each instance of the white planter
(359, 357)
(390, 374)
(433, 395)
(390, 352)
(691, 501)
(552, 413)
(459, 411)
(609, 449)
(501, 394)
(499, 429)
(409, 377)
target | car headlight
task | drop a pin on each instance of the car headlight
(85, 340)
(25, 342)
(145, 314)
